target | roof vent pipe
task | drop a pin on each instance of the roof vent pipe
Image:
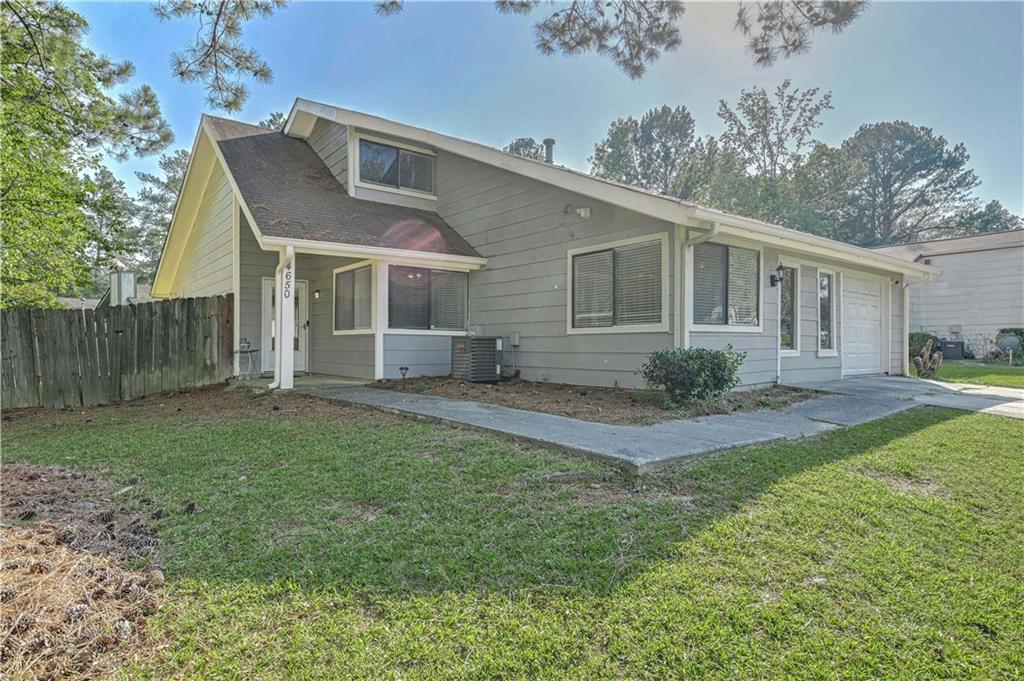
(549, 150)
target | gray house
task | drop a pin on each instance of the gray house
(979, 290)
(370, 243)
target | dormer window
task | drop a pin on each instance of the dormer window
(386, 165)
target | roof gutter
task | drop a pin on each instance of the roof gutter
(741, 226)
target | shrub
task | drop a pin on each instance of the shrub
(693, 373)
(917, 342)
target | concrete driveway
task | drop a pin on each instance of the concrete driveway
(969, 397)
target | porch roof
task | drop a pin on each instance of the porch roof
(291, 194)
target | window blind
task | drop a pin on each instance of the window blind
(362, 297)
(448, 293)
(638, 283)
(593, 290)
(408, 298)
(415, 171)
(726, 285)
(352, 299)
(710, 267)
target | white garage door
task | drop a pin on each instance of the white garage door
(861, 326)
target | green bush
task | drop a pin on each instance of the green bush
(917, 342)
(693, 373)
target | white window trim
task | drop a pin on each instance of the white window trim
(334, 304)
(834, 350)
(403, 191)
(727, 328)
(661, 327)
(398, 331)
(795, 352)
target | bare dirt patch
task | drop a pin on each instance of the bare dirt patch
(66, 612)
(218, 403)
(905, 484)
(599, 405)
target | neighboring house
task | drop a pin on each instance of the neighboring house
(980, 289)
(385, 240)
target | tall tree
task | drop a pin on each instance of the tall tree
(659, 152)
(772, 132)
(527, 147)
(275, 121)
(777, 28)
(217, 58)
(154, 208)
(57, 120)
(912, 182)
(993, 217)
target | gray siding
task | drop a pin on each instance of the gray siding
(980, 291)
(330, 141)
(328, 354)
(424, 355)
(896, 335)
(207, 261)
(524, 230)
(809, 366)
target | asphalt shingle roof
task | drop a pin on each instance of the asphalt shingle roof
(292, 194)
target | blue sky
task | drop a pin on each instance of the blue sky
(464, 69)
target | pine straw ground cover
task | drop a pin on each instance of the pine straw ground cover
(600, 405)
(334, 542)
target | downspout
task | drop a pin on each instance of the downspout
(906, 317)
(688, 244)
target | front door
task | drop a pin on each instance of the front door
(269, 324)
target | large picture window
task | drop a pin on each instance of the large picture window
(391, 166)
(826, 311)
(423, 299)
(789, 314)
(353, 299)
(619, 286)
(726, 285)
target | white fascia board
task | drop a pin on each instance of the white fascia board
(157, 288)
(809, 243)
(666, 208)
(463, 262)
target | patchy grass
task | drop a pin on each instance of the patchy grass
(340, 542)
(981, 374)
(600, 405)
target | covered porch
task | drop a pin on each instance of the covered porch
(351, 317)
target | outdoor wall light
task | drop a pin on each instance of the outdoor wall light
(776, 278)
(316, 294)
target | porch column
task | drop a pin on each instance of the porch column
(284, 357)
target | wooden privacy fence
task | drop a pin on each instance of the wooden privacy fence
(69, 358)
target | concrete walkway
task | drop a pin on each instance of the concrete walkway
(970, 397)
(640, 449)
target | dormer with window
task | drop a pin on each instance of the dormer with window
(392, 171)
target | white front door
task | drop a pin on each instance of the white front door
(861, 325)
(268, 322)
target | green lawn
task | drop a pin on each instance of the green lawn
(982, 374)
(351, 544)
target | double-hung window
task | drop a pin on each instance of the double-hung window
(425, 299)
(353, 299)
(620, 285)
(395, 167)
(726, 285)
(826, 312)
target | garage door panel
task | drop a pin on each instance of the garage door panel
(861, 326)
